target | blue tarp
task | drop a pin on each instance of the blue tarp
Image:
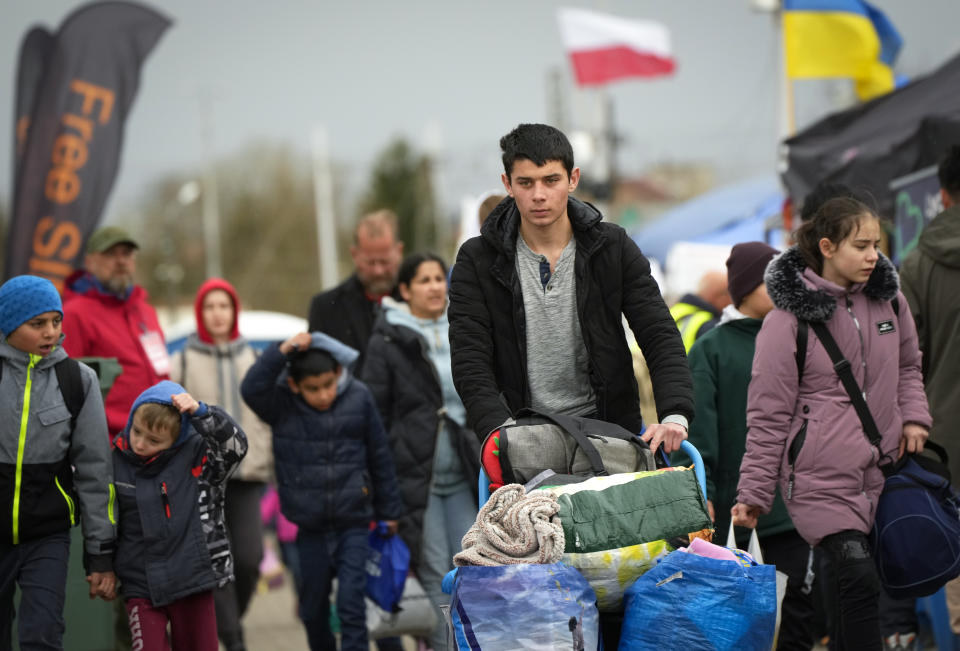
(731, 214)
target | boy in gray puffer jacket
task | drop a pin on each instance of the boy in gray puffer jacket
(52, 462)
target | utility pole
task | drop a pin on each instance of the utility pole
(323, 206)
(211, 198)
(556, 104)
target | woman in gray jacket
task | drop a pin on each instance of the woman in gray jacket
(804, 433)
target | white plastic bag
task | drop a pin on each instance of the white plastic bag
(753, 548)
(416, 617)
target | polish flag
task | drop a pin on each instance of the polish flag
(604, 47)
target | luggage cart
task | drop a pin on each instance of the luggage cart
(483, 490)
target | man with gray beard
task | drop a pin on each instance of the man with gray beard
(105, 314)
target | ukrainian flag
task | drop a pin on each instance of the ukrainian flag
(841, 38)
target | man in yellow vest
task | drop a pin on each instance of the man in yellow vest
(696, 313)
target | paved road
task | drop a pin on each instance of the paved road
(271, 623)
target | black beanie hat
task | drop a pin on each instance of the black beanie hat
(745, 267)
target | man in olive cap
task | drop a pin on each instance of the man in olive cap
(105, 314)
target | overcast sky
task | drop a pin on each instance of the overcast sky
(451, 73)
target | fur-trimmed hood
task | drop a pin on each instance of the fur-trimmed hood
(797, 289)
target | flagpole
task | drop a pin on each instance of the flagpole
(324, 207)
(788, 118)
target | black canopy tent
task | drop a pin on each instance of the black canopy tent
(869, 145)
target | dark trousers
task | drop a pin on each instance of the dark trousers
(793, 556)
(323, 555)
(897, 615)
(245, 530)
(39, 567)
(856, 622)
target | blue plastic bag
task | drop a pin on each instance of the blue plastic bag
(387, 566)
(513, 607)
(693, 602)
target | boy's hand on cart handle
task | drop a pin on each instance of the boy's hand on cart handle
(671, 435)
(745, 515)
(914, 436)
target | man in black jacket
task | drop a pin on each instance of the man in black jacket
(347, 312)
(537, 304)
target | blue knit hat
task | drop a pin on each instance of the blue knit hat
(24, 297)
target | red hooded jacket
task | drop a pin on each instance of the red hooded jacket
(98, 324)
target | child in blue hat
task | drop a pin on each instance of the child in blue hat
(53, 463)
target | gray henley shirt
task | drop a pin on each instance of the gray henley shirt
(557, 362)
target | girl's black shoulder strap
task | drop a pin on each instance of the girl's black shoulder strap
(803, 330)
(803, 333)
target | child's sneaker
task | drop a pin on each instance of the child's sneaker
(901, 642)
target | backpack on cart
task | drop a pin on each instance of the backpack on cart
(535, 445)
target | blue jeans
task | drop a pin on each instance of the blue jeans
(40, 568)
(323, 553)
(445, 521)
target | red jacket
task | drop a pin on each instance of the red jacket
(96, 324)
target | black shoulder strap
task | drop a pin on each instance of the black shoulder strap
(801, 353)
(71, 387)
(802, 335)
(842, 366)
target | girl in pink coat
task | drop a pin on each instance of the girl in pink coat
(804, 434)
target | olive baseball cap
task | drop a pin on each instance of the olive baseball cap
(106, 236)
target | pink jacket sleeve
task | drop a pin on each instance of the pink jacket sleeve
(771, 402)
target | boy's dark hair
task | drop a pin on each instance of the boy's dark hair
(538, 143)
(411, 264)
(159, 416)
(822, 193)
(312, 361)
(835, 220)
(948, 173)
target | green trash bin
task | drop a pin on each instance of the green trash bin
(89, 622)
(107, 370)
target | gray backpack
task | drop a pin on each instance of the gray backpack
(566, 449)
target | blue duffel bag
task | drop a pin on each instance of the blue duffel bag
(693, 602)
(523, 607)
(916, 533)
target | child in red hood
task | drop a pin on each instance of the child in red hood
(211, 367)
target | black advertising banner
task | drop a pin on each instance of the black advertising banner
(72, 149)
(34, 52)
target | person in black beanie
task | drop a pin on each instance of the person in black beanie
(721, 363)
(745, 267)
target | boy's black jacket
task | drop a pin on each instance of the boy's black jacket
(172, 537)
(334, 468)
